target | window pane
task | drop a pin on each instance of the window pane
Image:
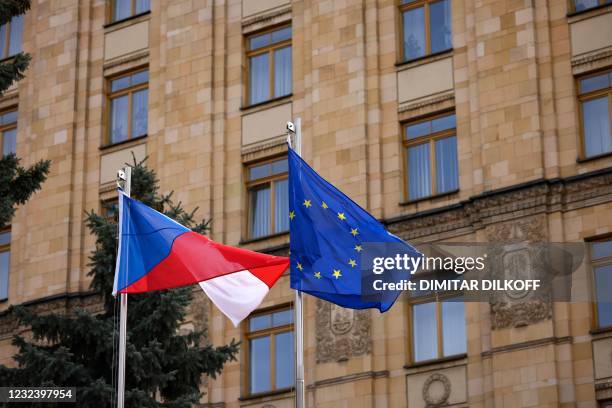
(419, 178)
(5, 261)
(281, 205)
(414, 33)
(424, 331)
(9, 141)
(260, 171)
(282, 318)
(280, 166)
(282, 71)
(141, 77)
(259, 78)
(259, 41)
(142, 6)
(603, 287)
(281, 35)
(9, 117)
(121, 9)
(284, 360)
(260, 212)
(447, 173)
(260, 364)
(121, 83)
(453, 328)
(594, 83)
(584, 4)
(418, 129)
(3, 51)
(16, 35)
(5, 238)
(602, 249)
(440, 23)
(119, 119)
(260, 322)
(140, 112)
(596, 127)
(443, 123)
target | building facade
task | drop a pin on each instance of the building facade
(462, 120)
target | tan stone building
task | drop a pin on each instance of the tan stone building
(464, 120)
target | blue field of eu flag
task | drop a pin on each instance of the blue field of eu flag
(328, 234)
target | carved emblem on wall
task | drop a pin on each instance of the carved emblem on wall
(436, 390)
(341, 333)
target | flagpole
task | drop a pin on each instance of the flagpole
(123, 297)
(299, 312)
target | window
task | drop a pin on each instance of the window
(431, 157)
(270, 354)
(11, 37)
(426, 27)
(606, 404)
(269, 65)
(601, 258)
(128, 107)
(8, 132)
(122, 9)
(268, 195)
(110, 209)
(580, 5)
(5, 262)
(437, 324)
(595, 94)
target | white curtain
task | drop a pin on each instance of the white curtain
(282, 71)
(16, 35)
(419, 175)
(284, 359)
(440, 26)
(5, 261)
(584, 4)
(447, 175)
(596, 122)
(281, 205)
(260, 364)
(9, 141)
(260, 212)
(259, 79)
(142, 6)
(414, 33)
(424, 331)
(453, 328)
(140, 112)
(122, 9)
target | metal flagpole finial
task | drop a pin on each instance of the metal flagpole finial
(290, 131)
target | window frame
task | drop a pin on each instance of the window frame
(607, 260)
(7, 39)
(426, 4)
(270, 331)
(583, 97)
(430, 138)
(253, 184)
(125, 91)
(7, 248)
(270, 49)
(6, 127)
(111, 11)
(436, 298)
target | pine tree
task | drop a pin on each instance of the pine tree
(79, 348)
(17, 183)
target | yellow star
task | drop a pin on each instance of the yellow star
(317, 275)
(337, 273)
(352, 263)
(324, 205)
(354, 231)
(291, 215)
(299, 266)
(341, 216)
(358, 248)
(307, 203)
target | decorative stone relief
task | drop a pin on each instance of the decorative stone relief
(436, 390)
(341, 333)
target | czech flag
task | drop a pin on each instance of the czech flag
(156, 252)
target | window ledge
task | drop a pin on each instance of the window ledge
(265, 237)
(431, 197)
(601, 331)
(458, 359)
(265, 396)
(266, 104)
(426, 59)
(591, 158)
(127, 21)
(122, 145)
(574, 16)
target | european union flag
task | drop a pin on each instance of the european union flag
(328, 234)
